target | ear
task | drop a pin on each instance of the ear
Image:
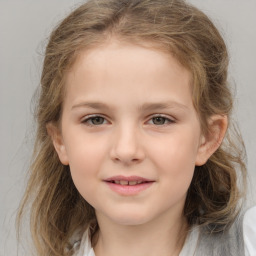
(57, 140)
(217, 126)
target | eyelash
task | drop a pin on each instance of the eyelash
(166, 119)
(88, 120)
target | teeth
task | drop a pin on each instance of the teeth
(127, 183)
(131, 183)
(124, 182)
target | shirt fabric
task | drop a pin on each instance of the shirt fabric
(190, 246)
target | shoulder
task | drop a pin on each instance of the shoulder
(249, 231)
(237, 240)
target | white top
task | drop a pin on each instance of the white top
(249, 230)
(249, 233)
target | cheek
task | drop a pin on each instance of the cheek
(84, 152)
(175, 156)
(85, 159)
(175, 162)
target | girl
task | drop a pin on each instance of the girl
(130, 156)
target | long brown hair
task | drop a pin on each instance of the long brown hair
(56, 208)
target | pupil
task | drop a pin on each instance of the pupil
(97, 120)
(158, 120)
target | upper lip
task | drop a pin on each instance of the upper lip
(127, 178)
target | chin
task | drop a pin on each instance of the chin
(131, 219)
(126, 215)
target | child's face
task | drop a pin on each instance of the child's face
(128, 115)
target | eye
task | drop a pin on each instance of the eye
(94, 120)
(160, 120)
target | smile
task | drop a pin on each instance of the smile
(127, 183)
(128, 186)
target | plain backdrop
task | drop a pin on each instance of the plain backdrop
(24, 28)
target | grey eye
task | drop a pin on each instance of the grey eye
(94, 120)
(97, 120)
(159, 120)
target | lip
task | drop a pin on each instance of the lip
(128, 190)
(127, 178)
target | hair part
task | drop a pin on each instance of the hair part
(172, 26)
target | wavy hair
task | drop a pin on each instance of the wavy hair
(56, 208)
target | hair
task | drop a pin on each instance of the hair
(177, 28)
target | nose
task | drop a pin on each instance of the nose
(127, 146)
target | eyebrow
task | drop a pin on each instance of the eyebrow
(147, 107)
(94, 105)
(162, 105)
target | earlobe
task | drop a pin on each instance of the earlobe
(217, 126)
(57, 140)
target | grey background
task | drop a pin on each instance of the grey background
(24, 27)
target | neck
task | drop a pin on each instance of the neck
(154, 238)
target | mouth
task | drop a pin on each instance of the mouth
(131, 185)
(128, 183)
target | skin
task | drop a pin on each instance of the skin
(127, 87)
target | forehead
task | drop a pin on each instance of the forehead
(127, 55)
(117, 66)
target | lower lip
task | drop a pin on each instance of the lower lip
(129, 190)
